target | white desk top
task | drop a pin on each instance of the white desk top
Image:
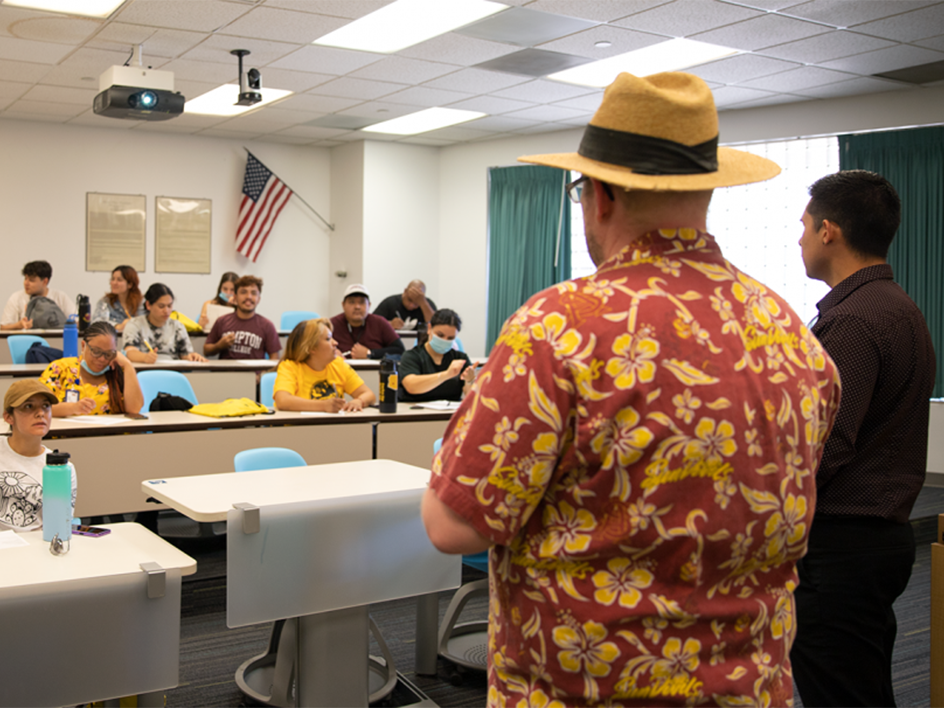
(120, 552)
(210, 497)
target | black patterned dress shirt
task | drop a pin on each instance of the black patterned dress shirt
(875, 458)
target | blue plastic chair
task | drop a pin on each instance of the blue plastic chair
(267, 458)
(266, 388)
(172, 382)
(290, 318)
(20, 343)
(459, 345)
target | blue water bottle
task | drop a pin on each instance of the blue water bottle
(70, 337)
(57, 501)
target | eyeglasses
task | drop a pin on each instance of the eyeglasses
(102, 354)
(575, 189)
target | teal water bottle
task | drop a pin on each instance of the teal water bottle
(57, 499)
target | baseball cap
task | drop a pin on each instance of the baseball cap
(355, 289)
(23, 390)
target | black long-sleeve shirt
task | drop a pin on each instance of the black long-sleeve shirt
(875, 458)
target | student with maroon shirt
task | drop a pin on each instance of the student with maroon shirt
(244, 334)
(361, 335)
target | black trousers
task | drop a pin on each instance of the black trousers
(855, 569)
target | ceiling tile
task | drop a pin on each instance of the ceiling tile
(31, 50)
(524, 27)
(196, 121)
(501, 123)
(431, 142)
(13, 89)
(297, 81)
(318, 104)
(853, 87)
(475, 81)
(164, 126)
(35, 117)
(456, 132)
(46, 28)
(164, 43)
(195, 15)
(490, 104)
(452, 48)
(825, 47)
(231, 134)
(192, 89)
(544, 91)
(760, 32)
(550, 113)
(802, 78)
(356, 88)
(426, 97)
(311, 131)
(23, 71)
(590, 102)
(350, 9)
(726, 95)
(263, 121)
(769, 5)
(742, 67)
(545, 128)
(908, 27)
(877, 62)
(217, 49)
(83, 68)
(379, 110)
(283, 25)
(533, 62)
(281, 113)
(90, 118)
(684, 17)
(846, 13)
(61, 94)
(933, 43)
(203, 71)
(326, 60)
(598, 10)
(621, 40)
(285, 139)
(403, 70)
(328, 143)
(66, 110)
(773, 99)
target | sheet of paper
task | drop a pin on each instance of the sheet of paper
(11, 539)
(214, 312)
(99, 419)
(439, 405)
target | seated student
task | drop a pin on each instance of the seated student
(225, 293)
(99, 381)
(435, 371)
(311, 375)
(27, 407)
(155, 335)
(361, 335)
(123, 302)
(244, 334)
(36, 276)
(410, 309)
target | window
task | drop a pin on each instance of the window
(758, 225)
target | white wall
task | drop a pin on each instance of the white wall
(48, 168)
(347, 209)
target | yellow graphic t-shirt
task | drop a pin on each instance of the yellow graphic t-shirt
(299, 379)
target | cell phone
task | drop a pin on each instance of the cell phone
(94, 531)
(136, 416)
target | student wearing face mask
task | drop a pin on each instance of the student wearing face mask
(435, 371)
(99, 381)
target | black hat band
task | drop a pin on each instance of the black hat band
(647, 155)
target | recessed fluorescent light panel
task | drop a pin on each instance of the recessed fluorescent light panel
(674, 55)
(403, 23)
(423, 121)
(88, 8)
(221, 101)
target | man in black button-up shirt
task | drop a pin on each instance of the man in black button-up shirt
(861, 547)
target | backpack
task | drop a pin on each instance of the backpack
(45, 313)
(39, 353)
(169, 402)
(230, 408)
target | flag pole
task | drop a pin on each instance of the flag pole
(330, 226)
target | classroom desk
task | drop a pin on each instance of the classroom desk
(328, 541)
(81, 627)
(112, 460)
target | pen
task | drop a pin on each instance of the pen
(148, 344)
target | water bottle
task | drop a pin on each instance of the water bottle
(70, 337)
(84, 309)
(388, 386)
(57, 501)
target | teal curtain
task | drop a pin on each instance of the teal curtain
(528, 229)
(913, 161)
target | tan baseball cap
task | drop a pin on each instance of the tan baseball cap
(23, 390)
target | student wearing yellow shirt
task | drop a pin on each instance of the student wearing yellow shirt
(100, 380)
(311, 375)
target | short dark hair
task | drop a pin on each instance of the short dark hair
(863, 204)
(248, 281)
(37, 269)
(156, 292)
(446, 317)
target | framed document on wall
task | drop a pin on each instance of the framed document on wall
(114, 231)
(182, 235)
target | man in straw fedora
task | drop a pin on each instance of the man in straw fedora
(639, 451)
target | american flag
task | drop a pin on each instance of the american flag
(264, 197)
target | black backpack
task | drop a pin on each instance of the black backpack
(169, 402)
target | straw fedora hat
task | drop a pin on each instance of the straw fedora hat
(659, 132)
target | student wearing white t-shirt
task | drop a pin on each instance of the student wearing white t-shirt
(27, 407)
(36, 276)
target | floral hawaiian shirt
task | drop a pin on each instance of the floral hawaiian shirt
(641, 449)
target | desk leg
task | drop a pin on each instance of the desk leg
(333, 667)
(427, 633)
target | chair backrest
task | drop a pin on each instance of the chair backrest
(19, 343)
(172, 382)
(436, 445)
(266, 386)
(290, 318)
(267, 458)
(459, 345)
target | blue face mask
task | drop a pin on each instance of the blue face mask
(85, 366)
(439, 345)
(223, 296)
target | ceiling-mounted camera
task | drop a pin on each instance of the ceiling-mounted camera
(249, 83)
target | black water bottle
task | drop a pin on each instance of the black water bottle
(84, 309)
(388, 386)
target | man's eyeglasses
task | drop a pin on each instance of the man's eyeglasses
(575, 189)
(102, 354)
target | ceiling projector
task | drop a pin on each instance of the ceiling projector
(136, 93)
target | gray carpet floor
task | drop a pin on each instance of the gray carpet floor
(210, 652)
